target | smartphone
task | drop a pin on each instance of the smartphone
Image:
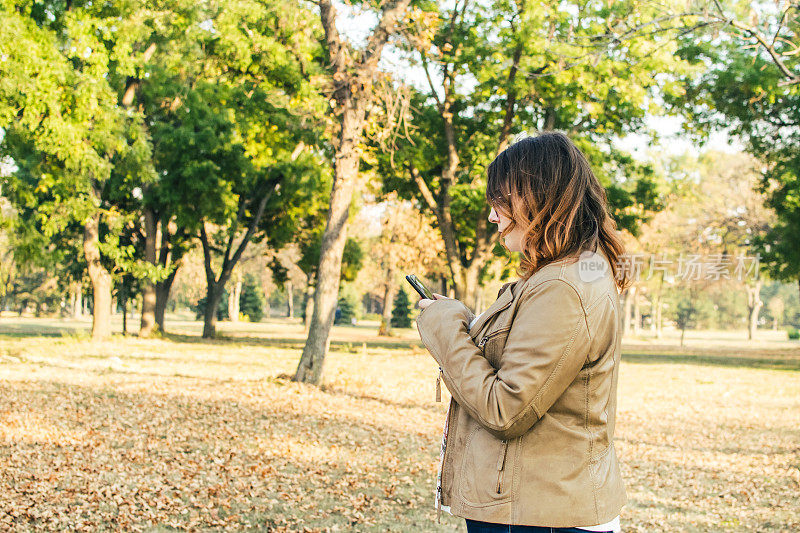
(420, 287)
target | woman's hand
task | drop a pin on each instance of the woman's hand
(425, 302)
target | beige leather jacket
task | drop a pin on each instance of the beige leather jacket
(533, 384)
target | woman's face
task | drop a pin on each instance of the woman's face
(514, 238)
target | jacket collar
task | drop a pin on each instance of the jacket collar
(503, 301)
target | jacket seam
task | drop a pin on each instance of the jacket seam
(577, 292)
(560, 363)
(591, 436)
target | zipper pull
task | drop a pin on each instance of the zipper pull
(439, 386)
(500, 465)
(480, 344)
(438, 504)
(502, 460)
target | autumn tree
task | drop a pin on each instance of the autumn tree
(407, 244)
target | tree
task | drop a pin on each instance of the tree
(407, 244)
(347, 309)
(65, 131)
(750, 85)
(401, 312)
(351, 75)
(231, 128)
(251, 301)
(586, 69)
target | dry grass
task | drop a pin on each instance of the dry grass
(181, 433)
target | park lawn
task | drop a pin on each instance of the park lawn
(181, 433)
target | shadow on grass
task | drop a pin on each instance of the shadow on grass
(16, 331)
(790, 363)
(291, 343)
(41, 330)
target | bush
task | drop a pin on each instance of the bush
(794, 333)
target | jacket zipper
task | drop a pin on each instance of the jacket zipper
(501, 465)
(489, 336)
(440, 488)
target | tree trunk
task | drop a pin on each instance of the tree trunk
(637, 315)
(233, 302)
(101, 279)
(309, 307)
(148, 324)
(124, 302)
(171, 255)
(352, 91)
(754, 305)
(76, 300)
(289, 297)
(655, 327)
(386, 313)
(213, 296)
(310, 368)
(163, 289)
(626, 310)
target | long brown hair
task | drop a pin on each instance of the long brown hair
(557, 199)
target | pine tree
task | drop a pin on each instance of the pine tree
(347, 308)
(251, 301)
(401, 313)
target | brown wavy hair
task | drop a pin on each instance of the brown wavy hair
(546, 185)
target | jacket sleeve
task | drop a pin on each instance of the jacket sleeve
(546, 347)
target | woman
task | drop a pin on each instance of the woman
(528, 438)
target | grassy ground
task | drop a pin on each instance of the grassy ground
(180, 433)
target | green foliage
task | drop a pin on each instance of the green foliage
(566, 78)
(688, 308)
(401, 312)
(352, 259)
(251, 300)
(793, 333)
(739, 87)
(65, 132)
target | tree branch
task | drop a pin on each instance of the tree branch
(210, 276)
(380, 35)
(427, 195)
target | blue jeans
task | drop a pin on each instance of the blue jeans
(475, 526)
